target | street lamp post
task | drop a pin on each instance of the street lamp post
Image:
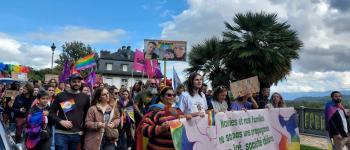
(53, 47)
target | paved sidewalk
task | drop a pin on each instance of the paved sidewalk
(314, 141)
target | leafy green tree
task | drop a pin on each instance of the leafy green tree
(40, 74)
(206, 57)
(72, 51)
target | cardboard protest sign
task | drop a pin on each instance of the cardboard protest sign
(243, 87)
(48, 77)
(19, 76)
(165, 50)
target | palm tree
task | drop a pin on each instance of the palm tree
(206, 57)
(259, 45)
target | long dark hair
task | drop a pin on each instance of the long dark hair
(97, 95)
(281, 103)
(190, 84)
(30, 90)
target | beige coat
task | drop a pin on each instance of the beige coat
(93, 135)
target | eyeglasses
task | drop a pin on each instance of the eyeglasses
(153, 83)
(170, 95)
(116, 93)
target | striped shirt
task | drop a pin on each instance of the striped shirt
(151, 128)
(218, 106)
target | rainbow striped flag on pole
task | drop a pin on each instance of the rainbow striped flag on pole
(86, 62)
(211, 118)
(68, 105)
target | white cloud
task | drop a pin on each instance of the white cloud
(314, 81)
(15, 52)
(83, 34)
(319, 26)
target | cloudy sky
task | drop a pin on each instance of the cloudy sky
(28, 29)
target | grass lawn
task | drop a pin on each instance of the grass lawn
(305, 147)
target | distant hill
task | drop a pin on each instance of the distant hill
(316, 102)
(309, 95)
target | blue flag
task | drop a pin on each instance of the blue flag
(176, 79)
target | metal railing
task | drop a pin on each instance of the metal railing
(311, 121)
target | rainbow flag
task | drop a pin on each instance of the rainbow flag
(68, 105)
(86, 62)
(211, 118)
(178, 134)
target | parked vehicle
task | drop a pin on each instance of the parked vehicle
(9, 81)
(6, 141)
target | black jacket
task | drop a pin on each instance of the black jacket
(336, 125)
(22, 102)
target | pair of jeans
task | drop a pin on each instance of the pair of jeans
(20, 122)
(66, 141)
(53, 130)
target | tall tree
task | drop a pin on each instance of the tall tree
(262, 46)
(206, 57)
(256, 44)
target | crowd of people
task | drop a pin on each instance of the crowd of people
(71, 116)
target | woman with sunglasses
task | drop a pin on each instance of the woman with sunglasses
(219, 100)
(154, 123)
(100, 115)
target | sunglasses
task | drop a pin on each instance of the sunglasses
(116, 93)
(153, 83)
(170, 95)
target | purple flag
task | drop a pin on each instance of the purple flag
(91, 79)
(158, 73)
(66, 72)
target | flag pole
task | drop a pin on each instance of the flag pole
(165, 71)
(132, 78)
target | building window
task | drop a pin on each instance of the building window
(109, 81)
(125, 68)
(124, 81)
(109, 66)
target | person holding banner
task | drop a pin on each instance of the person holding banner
(193, 101)
(68, 111)
(219, 100)
(337, 123)
(100, 114)
(242, 103)
(154, 125)
(276, 101)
